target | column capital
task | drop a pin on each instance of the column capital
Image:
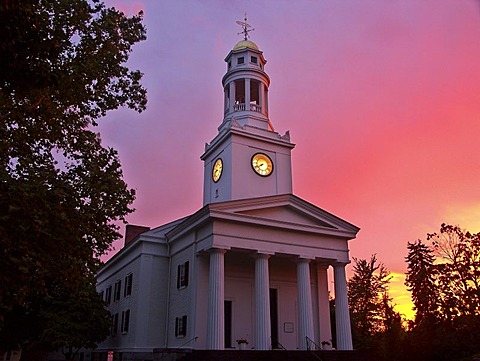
(217, 250)
(323, 265)
(260, 254)
(303, 258)
(341, 263)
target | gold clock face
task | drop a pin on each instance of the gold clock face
(217, 170)
(262, 164)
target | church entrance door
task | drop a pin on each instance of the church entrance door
(274, 317)
(228, 324)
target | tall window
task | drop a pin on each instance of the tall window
(181, 326)
(116, 293)
(108, 295)
(113, 331)
(182, 275)
(125, 321)
(127, 291)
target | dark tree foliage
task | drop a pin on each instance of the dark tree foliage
(62, 67)
(445, 291)
(420, 280)
(72, 322)
(458, 270)
(388, 343)
(365, 290)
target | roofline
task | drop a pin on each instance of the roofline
(218, 211)
(240, 131)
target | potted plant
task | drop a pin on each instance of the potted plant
(242, 343)
(325, 345)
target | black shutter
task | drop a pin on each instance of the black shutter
(178, 276)
(186, 274)
(184, 329)
(127, 320)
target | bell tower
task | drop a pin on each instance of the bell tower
(247, 158)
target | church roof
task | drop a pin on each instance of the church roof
(265, 211)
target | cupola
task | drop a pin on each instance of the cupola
(246, 85)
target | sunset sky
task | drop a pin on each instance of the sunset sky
(382, 99)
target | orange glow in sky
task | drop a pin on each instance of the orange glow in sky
(382, 99)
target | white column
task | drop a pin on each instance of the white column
(262, 97)
(342, 315)
(247, 94)
(216, 299)
(305, 314)
(262, 303)
(325, 328)
(232, 96)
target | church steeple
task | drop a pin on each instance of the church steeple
(247, 158)
(246, 84)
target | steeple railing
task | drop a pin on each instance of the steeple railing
(255, 108)
(240, 107)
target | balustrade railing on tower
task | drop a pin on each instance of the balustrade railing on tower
(239, 107)
(255, 108)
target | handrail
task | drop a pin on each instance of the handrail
(281, 347)
(310, 342)
(317, 347)
(179, 348)
(279, 344)
(186, 343)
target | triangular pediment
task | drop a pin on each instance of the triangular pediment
(286, 211)
(287, 214)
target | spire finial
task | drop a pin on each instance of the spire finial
(245, 26)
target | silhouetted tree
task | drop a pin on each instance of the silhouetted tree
(62, 67)
(389, 342)
(458, 270)
(365, 290)
(420, 280)
(445, 290)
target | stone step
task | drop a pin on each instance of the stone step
(276, 355)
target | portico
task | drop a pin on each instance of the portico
(298, 321)
(254, 248)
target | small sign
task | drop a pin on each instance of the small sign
(288, 327)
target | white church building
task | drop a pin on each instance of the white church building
(249, 268)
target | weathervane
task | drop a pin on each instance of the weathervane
(245, 26)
